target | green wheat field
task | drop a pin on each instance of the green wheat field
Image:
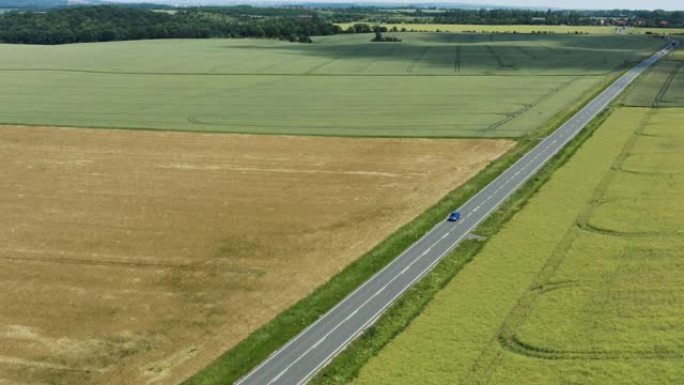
(428, 85)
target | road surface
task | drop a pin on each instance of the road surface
(303, 356)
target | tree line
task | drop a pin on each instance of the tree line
(653, 19)
(110, 23)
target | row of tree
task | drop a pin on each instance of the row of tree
(109, 23)
(656, 18)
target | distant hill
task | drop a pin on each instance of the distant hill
(43, 4)
(19, 4)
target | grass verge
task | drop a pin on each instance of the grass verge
(347, 365)
(239, 360)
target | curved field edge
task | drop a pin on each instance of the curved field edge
(240, 359)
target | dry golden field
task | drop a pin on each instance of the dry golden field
(137, 257)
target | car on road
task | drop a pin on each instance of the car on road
(454, 216)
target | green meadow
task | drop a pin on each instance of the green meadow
(428, 85)
(583, 286)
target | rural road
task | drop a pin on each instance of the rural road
(303, 356)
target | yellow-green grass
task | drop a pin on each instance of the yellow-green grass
(430, 84)
(661, 86)
(583, 286)
(560, 29)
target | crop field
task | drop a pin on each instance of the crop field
(662, 86)
(429, 85)
(583, 286)
(132, 257)
(559, 29)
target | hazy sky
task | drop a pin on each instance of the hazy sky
(568, 4)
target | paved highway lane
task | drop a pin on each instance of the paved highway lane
(303, 356)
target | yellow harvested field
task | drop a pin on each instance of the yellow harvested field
(137, 257)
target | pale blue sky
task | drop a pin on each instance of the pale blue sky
(601, 4)
(568, 4)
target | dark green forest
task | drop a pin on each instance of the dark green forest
(109, 23)
(75, 24)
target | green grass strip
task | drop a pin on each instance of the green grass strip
(347, 365)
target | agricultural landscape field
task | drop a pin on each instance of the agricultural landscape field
(524, 28)
(504, 85)
(583, 286)
(138, 257)
(133, 253)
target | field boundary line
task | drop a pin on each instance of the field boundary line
(294, 74)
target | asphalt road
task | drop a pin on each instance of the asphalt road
(303, 356)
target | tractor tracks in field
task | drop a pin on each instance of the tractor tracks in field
(583, 220)
(499, 61)
(659, 99)
(313, 69)
(526, 52)
(622, 168)
(507, 337)
(514, 344)
(414, 63)
(457, 59)
(288, 74)
(486, 363)
(526, 107)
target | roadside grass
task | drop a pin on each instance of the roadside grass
(238, 361)
(553, 297)
(348, 364)
(343, 85)
(477, 301)
(247, 354)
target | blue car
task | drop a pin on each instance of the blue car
(453, 217)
